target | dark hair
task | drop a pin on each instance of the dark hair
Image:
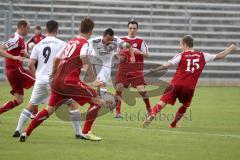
(38, 28)
(22, 23)
(86, 25)
(133, 22)
(188, 40)
(52, 26)
(109, 32)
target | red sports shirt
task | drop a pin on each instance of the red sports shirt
(15, 46)
(35, 39)
(190, 66)
(139, 44)
(70, 67)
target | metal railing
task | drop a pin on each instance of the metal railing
(186, 14)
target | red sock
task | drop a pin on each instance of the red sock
(90, 118)
(156, 109)
(8, 106)
(146, 101)
(41, 116)
(179, 115)
(35, 111)
(118, 101)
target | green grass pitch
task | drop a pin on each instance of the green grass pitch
(211, 131)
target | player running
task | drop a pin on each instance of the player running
(190, 66)
(18, 77)
(132, 73)
(66, 83)
(105, 48)
(43, 53)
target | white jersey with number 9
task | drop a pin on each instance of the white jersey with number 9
(44, 52)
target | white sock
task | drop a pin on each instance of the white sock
(76, 122)
(24, 116)
(102, 91)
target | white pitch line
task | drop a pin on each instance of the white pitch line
(153, 129)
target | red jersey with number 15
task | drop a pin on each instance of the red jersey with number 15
(190, 67)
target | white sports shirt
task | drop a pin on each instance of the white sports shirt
(100, 51)
(44, 52)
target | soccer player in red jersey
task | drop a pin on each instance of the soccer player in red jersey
(36, 38)
(66, 83)
(18, 77)
(190, 66)
(132, 73)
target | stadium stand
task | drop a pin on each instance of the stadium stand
(214, 24)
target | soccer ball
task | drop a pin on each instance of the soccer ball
(30, 46)
(110, 101)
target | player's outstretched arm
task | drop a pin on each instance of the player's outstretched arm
(31, 66)
(224, 53)
(137, 51)
(56, 62)
(3, 53)
(162, 67)
(91, 76)
(26, 55)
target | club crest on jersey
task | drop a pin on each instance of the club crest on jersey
(135, 45)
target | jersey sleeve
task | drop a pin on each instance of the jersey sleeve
(91, 40)
(144, 47)
(209, 57)
(176, 59)
(119, 41)
(34, 54)
(61, 51)
(87, 50)
(12, 43)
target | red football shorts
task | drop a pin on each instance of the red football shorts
(19, 79)
(183, 94)
(136, 79)
(80, 92)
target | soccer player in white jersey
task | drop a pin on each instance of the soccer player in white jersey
(43, 54)
(105, 49)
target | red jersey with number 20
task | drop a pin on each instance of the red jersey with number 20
(190, 67)
(70, 67)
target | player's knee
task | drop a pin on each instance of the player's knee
(141, 89)
(31, 107)
(119, 87)
(50, 110)
(163, 104)
(73, 107)
(19, 100)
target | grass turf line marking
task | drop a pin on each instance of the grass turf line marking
(153, 129)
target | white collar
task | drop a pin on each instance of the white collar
(16, 33)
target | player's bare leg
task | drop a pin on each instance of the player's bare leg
(180, 113)
(12, 104)
(142, 91)
(155, 110)
(118, 94)
(101, 87)
(24, 116)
